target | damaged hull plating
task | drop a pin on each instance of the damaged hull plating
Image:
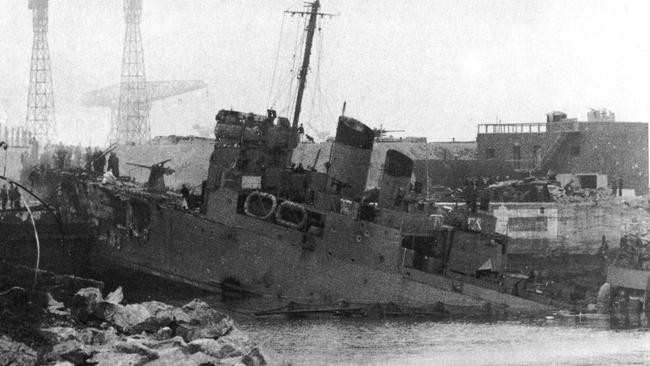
(270, 261)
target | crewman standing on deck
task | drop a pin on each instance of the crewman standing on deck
(114, 164)
(185, 192)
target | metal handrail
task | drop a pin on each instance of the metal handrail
(493, 128)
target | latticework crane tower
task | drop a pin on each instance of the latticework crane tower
(133, 113)
(40, 98)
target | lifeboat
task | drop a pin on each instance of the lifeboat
(291, 214)
(260, 205)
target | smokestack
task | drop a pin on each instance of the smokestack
(397, 174)
(350, 158)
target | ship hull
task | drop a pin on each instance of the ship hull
(269, 261)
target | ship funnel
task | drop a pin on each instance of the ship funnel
(350, 158)
(395, 178)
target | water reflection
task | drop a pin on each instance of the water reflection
(559, 341)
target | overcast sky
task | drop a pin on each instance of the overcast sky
(432, 68)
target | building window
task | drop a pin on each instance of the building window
(490, 154)
(575, 151)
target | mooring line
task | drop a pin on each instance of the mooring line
(38, 243)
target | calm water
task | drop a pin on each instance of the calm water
(394, 342)
(403, 342)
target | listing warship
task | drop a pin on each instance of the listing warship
(263, 230)
(292, 235)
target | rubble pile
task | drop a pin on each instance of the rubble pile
(98, 330)
(543, 190)
(559, 194)
(527, 190)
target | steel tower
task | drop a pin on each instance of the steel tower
(133, 112)
(156, 90)
(40, 98)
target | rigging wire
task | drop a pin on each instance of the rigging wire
(318, 88)
(294, 77)
(322, 100)
(315, 92)
(289, 79)
(277, 57)
(327, 104)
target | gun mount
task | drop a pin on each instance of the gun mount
(156, 182)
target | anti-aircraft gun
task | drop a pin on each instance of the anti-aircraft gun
(380, 133)
(156, 182)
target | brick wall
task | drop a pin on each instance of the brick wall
(617, 149)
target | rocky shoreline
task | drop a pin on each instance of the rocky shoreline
(88, 328)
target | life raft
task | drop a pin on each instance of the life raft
(260, 205)
(291, 214)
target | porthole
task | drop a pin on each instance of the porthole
(358, 238)
(366, 233)
(333, 229)
(381, 259)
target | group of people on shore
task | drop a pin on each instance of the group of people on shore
(10, 198)
(37, 160)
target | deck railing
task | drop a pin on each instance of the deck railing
(492, 128)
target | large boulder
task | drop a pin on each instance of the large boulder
(84, 303)
(218, 348)
(164, 333)
(175, 342)
(56, 335)
(55, 307)
(147, 317)
(178, 357)
(99, 337)
(112, 358)
(204, 322)
(125, 318)
(136, 348)
(72, 351)
(16, 353)
(254, 358)
(161, 315)
(116, 296)
(235, 344)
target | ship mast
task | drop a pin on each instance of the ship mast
(302, 77)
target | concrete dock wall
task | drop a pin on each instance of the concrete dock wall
(541, 228)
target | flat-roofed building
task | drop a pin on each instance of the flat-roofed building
(591, 154)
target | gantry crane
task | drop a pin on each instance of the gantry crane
(109, 97)
(40, 98)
